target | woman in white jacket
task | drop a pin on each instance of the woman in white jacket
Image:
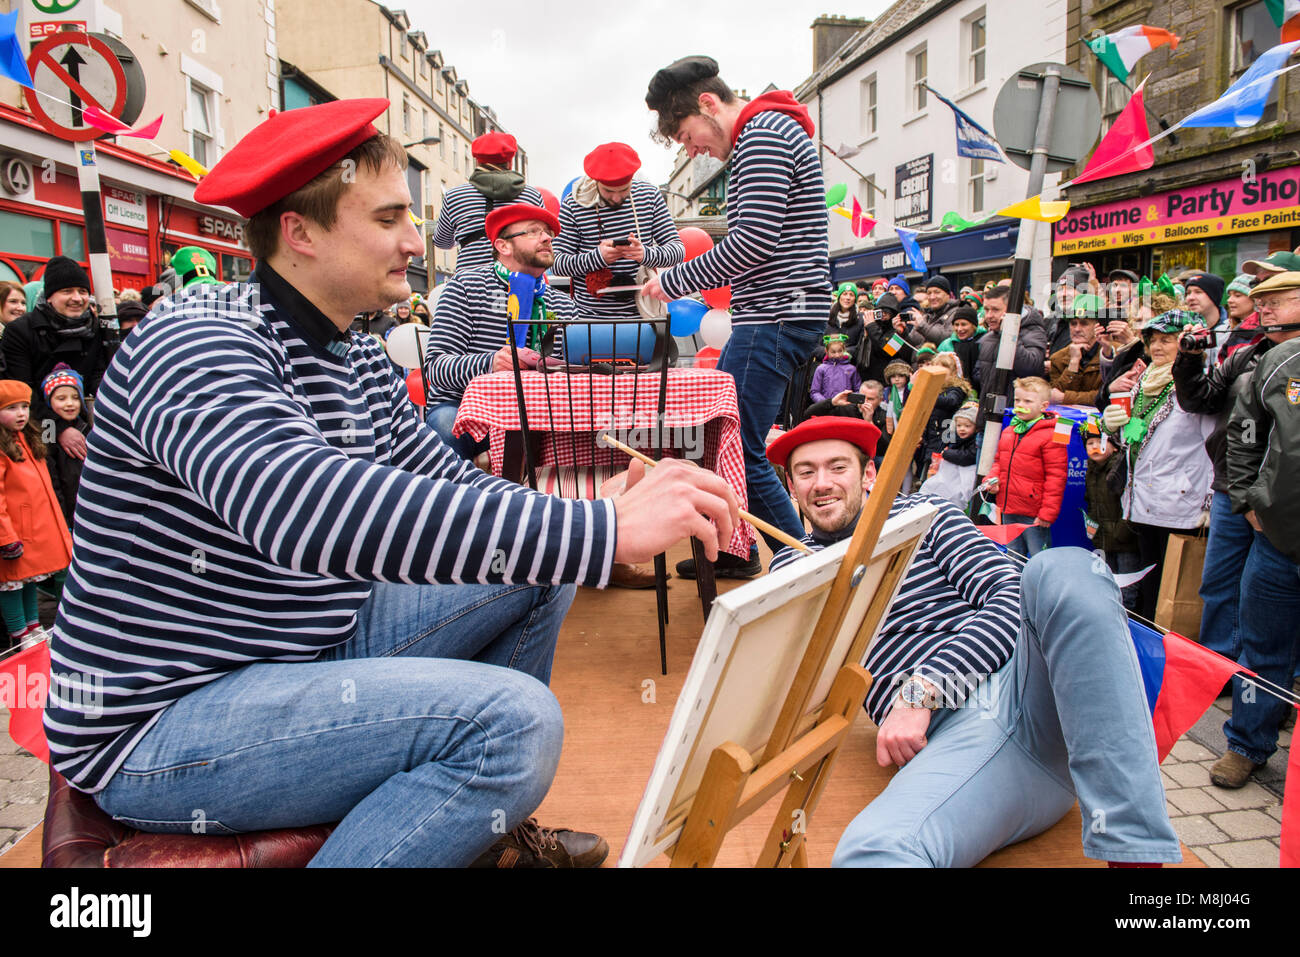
(1169, 472)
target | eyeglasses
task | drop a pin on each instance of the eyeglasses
(1275, 302)
(533, 233)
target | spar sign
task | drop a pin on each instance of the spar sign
(1196, 213)
(41, 18)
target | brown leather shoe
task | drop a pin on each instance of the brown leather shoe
(531, 845)
(624, 575)
(1232, 770)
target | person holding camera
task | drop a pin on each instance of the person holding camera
(1262, 474)
(1203, 294)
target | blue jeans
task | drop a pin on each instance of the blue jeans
(1032, 540)
(1269, 618)
(428, 734)
(441, 417)
(762, 357)
(1066, 718)
(1226, 552)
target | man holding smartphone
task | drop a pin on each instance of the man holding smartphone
(612, 229)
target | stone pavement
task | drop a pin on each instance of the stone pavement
(1224, 828)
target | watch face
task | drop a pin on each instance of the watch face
(913, 692)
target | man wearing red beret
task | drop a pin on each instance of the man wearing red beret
(774, 257)
(267, 583)
(465, 207)
(998, 715)
(614, 229)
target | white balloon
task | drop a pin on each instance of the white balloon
(715, 328)
(404, 347)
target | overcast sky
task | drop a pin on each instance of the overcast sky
(564, 78)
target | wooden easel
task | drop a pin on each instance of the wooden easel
(798, 757)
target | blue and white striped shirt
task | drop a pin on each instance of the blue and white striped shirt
(248, 477)
(583, 227)
(956, 618)
(469, 326)
(776, 253)
(464, 212)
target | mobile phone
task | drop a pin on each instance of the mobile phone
(856, 398)
(621, 242)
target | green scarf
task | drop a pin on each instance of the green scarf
(539, 317)
(1144, 409)
(1021, 426)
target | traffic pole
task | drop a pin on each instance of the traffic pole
(995, 400)
(101, 270)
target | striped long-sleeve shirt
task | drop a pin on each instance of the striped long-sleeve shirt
(775, 255)
(583, 227)
(249, 475)
(469, 326)
(956, 618)
(464, 211)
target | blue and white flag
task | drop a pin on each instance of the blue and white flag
(1242, 104)
(913, 249)
(972, 139)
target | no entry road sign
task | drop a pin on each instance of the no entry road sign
(74, 71)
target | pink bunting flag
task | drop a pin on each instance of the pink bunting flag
(861, 223)
(1002, 534)
(1115, 154)
(111, 124)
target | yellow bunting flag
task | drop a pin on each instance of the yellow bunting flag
(842, 211)
(415, 219)
(1035, 208)
(192, 166)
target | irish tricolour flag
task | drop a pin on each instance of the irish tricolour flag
(1286, 14)
(1121, 50)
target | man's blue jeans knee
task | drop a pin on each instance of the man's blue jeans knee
(761, 357)
(441, 417)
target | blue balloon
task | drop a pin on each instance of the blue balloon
(606, 341)
(685, 315)
(569, 189)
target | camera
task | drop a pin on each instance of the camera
(1197, 341)
(856, 398)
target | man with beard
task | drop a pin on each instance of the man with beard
(997, 715)
(64, 328)
(774, 257)
(612, 228)
(465, 208)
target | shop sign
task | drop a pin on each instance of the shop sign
(1198, 213)
(914, 191)
(125, 207)
(223, 229)
(128, 252)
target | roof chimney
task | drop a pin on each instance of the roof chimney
(831, 33)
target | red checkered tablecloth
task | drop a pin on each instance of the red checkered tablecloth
(701, 421)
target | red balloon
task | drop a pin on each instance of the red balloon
(415, 386)
(549, 201)
(717, 298)
(707, 358)
(695, 240)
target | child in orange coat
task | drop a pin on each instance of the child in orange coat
(34, 539)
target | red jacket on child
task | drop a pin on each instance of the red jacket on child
(1031, 471)
(30, 513)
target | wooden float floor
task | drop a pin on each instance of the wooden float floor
(608, 649)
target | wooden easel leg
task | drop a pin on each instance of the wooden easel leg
(714, 806)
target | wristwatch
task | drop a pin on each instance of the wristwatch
(916, 694)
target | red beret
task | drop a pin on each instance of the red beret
(495, 148)
(857, 432)
(287, 152)
(612, 164)
(503, 216)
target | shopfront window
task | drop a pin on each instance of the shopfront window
(235, 268)
(72, 241)
(1253, 32)
(1176, 257)
(26, 235)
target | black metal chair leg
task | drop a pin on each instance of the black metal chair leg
(706, 584)
(661, 598)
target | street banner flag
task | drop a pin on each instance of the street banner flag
(1291, 812)
(1116, 153)
(24, 683)
(1034, 208)
(913, 249)
(972, 139)
(1119, 51)
(1242, 104)
(895, 343)
(13, 65)
(1064, 429)
(1181, 679)
(1286, 14)
(1002, 534)
(861, 223)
